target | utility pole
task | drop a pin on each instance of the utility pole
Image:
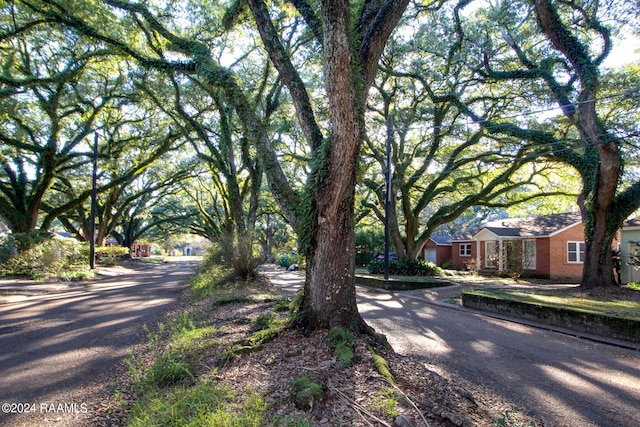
(387, 201)
(94, 197)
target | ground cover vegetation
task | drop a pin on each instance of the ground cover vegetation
(622, 302)
(40, 255)
(230, 356)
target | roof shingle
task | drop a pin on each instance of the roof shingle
(534, 226)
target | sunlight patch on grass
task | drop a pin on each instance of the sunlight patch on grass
(202, 405)
(635, 286)
(618, 308)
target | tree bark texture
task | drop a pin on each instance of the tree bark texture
(330, 285)
(330, 297)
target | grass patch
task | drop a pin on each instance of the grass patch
(573, 301)
(508, 419)
(170, 368)
(635, 286)
(208, 280)
(202, 405)
(172, 392)
(386, 402)
(190, 338)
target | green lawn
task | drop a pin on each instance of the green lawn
(615, 304)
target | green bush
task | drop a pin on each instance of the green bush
(368, 241)
(106, 254)
(236, 253)
(37, 255)
(405, 267)
(287, 260)
(447, 265)
(635, 286)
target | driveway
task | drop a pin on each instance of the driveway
(63, 340)
(566, 380)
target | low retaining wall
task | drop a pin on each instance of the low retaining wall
(608, 326)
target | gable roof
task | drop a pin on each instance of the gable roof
(441, 239)
(534, 226)
(632, 222)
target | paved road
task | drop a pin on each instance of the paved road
(54, 344)
(568, 381)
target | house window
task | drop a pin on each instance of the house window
(575, 252)
(529, 254)
(491, 254)
(465, 249)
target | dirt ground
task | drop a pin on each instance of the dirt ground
(424, 394)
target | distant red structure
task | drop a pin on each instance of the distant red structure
(110, 241)
(140, 250)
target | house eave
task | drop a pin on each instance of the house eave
(562, 229)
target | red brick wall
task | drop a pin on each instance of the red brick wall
(429, 245)
(443, 253)
(559, 266)
(543, 257)
(459, 262)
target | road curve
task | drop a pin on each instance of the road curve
(54, 344)
(565, 380)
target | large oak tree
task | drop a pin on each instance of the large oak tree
(351, 45)
(548, 54)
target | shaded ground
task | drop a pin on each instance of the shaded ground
(566, 380)
(582, 383)
(358, 395)
(59, 344)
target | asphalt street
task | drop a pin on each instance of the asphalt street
(54, 344)
(63, 338)
(565, 380)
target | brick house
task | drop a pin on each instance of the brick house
(630, 245)
(437, 249)
(549, 246)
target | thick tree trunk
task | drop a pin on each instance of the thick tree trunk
(601, 223)
(602, 165)
(330, 297)
(598, 263)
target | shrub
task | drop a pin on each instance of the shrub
(447, 265)
(107, 255)
(287, 260)
(472, 266)
(236, 252)
(37, 255)
(368, 241)
(635, 286)
(405, 267)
